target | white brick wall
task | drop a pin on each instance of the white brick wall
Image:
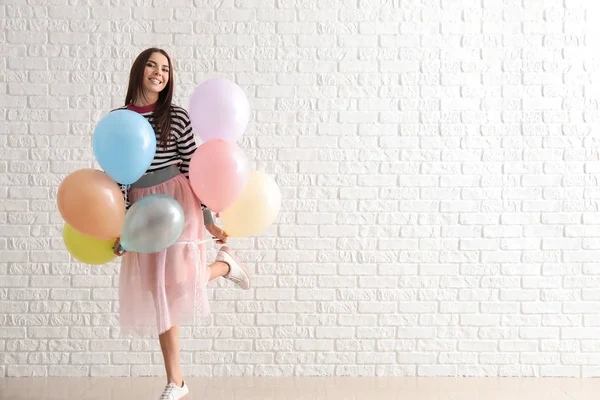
(438, 160)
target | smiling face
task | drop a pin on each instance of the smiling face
(156, 74)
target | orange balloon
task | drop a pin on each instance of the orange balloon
(92, 204)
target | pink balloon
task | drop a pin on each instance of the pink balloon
(219, 173)
(219, 109)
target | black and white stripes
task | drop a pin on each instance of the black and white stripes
(180, 147)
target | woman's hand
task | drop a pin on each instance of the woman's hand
(117, 248)
(217, 233)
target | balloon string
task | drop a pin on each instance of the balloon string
(206, 241)
(198, 241)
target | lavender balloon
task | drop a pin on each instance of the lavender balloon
(219, 109)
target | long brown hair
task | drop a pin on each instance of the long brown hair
(162, 112)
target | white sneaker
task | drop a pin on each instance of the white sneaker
(237, 272)
(174, 392)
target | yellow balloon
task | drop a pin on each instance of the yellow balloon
(255, 209)
(86, 248)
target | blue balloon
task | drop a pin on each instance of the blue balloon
(152, 224)
(124, 144)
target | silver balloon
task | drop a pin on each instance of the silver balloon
(152, 224)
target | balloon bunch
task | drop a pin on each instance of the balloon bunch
(93, 207)
(247, 201)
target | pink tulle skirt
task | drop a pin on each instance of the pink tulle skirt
(160, 290)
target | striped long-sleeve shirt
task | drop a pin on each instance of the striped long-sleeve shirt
(180, 147)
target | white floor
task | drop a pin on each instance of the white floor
(295, 388)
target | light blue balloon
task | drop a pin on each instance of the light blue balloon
(152, 224)
(124, 144)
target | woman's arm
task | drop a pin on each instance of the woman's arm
(186, 140)
(186, 146)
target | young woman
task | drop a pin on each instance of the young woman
(159, 291)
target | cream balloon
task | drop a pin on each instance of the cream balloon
(255, 209)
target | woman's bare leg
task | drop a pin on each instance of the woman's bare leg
(217, 269)
(169, 344)
(169, 341)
